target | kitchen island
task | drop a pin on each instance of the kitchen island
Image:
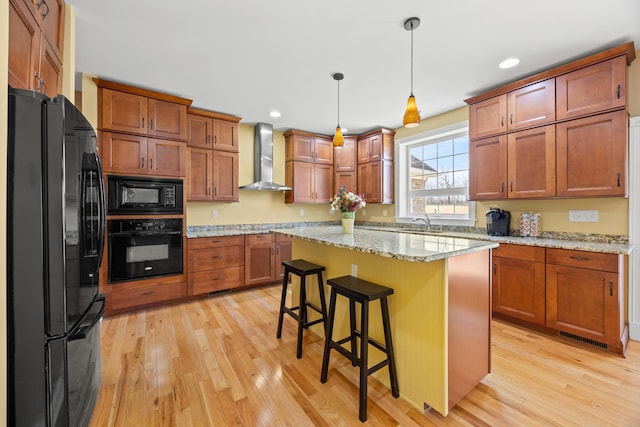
(440, 310)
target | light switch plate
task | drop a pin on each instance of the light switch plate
(584, 216)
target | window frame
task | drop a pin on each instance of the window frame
(403, 145)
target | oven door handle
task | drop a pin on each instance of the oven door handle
(145, 233)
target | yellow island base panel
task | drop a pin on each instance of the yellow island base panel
(440, 318)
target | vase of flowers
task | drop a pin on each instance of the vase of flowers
(347, 203)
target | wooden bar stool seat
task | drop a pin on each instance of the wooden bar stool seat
(363, 292)
(302, 269)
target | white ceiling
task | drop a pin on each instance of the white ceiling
(247, 58)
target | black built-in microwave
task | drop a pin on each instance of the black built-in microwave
(140, 195)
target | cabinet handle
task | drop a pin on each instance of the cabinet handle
(142, 122)
(217, 278)
(511, 118)
(215, 191)
(208, 139)
(501, 121)
(215, 139)
(502, 187)
(43, 3)
(511, 186)
(151, 163)
(611, 288)
(217, 241)
(142, 165)
(148, 293)
(494, 268)
(216, 256)
(151, 123)
(618, 93)
(579, 258)
(618, 176)
(208, 191)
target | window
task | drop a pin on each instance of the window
(433, 176)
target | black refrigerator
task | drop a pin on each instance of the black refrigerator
(55, 238)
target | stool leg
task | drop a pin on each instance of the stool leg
(285, 281)
(352, 325)
(323, 302)
(389, 345)
(302, 314)
(328, 337)
(364, 359)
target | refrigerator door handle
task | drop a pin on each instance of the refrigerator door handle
(80, 331)
(102, 213)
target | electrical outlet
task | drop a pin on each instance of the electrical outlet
(214, 214)
(354, 270)
(584, 216)
(384, 212)
(301, 212)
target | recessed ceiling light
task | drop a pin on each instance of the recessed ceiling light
(509, 62)
(275, 114)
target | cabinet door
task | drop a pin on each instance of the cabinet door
(532, 105)
(303, 149)
(225, 135)
(531, 163)
(323, 151)
(345, 157)
(200, 174)
(592, 156)
(364, 146)
(323, 183)
(583, 302)
(375, 147)
(24, 46)
(488, 168)
(364, 181)
(123, 153)
(51, 17)
(283, 253)
(225, 176)
(488, 117)
(199, 131)
(348, 179)
(50, 70)
(166, 157)
(259, 258)
(300, 177)
(123, 111)
(519, 289)
(167, 119)
(592, 89)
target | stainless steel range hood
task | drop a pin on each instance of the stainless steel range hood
(263, 160)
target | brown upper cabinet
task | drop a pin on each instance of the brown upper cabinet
(589, 90)
(344, 165)
(565, 128)
(207, 129)
(36, 33)
(212, 140)
(375, 166)
(375, 145)
(308, 167)
(307, 148)
(124, 108)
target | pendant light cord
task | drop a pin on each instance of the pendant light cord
(338, 103)
(411, 58)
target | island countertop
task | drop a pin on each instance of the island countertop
(401, 246)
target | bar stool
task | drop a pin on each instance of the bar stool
(362, 291)
(302, 268)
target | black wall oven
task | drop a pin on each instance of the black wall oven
(144, 248)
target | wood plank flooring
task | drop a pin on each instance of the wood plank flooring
(216, 362)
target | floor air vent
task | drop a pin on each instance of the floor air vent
(584, 340)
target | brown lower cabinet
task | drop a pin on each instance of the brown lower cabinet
(215, 263)
(264, 254)
(578, 293)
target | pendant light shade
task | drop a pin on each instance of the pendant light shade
(411, 115)
(338, 139)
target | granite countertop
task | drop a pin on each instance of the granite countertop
(390, 244)
(574, 241)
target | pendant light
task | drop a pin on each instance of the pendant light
(412, 115)
(338, 139)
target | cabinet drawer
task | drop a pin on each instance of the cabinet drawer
(149, 295)
(527, 253)
(583, 259)
(282, 239)
(215, 242)
(215, 280)
(256, 239)
(209, 259)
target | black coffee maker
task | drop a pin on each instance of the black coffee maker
(498, 221)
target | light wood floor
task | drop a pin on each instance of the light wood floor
(217, 362)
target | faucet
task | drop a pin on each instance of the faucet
(426, 220)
